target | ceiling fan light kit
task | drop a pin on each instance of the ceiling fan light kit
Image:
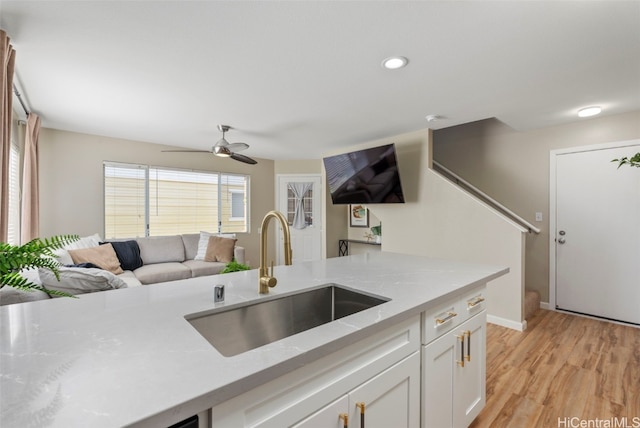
(221, 149)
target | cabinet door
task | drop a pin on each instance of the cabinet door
(470, 381)
(438, 365)
(454, 393)
(391, 399)
(328, 416)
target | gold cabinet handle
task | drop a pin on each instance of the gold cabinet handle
(345, 420)
(461, 338)
(475, 301)
(468, 334)
(361, 406)
(442, 320)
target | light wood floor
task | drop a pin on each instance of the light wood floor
(562, 366)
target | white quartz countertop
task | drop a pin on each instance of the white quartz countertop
(129, 357)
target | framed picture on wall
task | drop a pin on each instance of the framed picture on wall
(358, 216)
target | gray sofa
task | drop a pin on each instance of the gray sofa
(164, 258)
(169, 258)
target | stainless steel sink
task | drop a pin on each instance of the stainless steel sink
(239, 329)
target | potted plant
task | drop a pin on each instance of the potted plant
(377, 232)
(234, 266)
(37, 253)
(632, 161)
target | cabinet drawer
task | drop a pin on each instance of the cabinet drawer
(445, 316)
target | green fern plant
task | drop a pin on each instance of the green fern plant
(632, 161)
(234, 266)
(37, 253)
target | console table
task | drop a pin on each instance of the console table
(343, 245)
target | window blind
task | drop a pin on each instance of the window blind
(13, 236)
(143, 200)
(125, 194)
(182, 201)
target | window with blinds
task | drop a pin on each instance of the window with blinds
(125, 200)
(13, 236)
(143, 200)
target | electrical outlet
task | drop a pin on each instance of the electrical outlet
(538, 216)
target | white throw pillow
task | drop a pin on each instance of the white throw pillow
(85, 242)
(62, 254)
(204, 242)
(80, 280)
(32, 275)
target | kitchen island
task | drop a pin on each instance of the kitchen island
(129, 356)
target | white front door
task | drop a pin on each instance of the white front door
(597, 233)
(306, 230)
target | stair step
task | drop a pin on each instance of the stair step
(531, 303)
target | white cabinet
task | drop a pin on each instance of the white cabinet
(329, 416)
(390, 399)
(454, 375)
(426, 371)
(382, 371)
(469, 382)
(454, 367)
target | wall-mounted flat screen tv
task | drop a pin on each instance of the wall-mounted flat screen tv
(368, 176)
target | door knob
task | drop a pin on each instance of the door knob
(561, 239)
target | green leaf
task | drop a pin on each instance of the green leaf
(632, 161)
(234, 266)
(37, 253)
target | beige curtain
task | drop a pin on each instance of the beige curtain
(30, 224)
(8, 58)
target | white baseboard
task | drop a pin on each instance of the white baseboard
(503, 322)
(544, 305)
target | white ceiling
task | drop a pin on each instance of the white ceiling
(297, 79)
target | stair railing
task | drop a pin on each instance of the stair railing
(484, 197)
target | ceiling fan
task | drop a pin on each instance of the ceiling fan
(224, 149)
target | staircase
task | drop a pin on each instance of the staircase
(531, 303)
(531, 298)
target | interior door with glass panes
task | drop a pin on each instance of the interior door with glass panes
(299, 201)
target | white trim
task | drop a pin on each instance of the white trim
(552, 204)
(503, 322)
(279, 198)
(545, 306)
(592, 317)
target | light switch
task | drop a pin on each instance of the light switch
(538, 216)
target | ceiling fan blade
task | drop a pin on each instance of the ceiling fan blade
(243, 158)
(186, 151)
(237, 147)
(223, 148)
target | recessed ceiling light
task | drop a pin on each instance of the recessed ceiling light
(589, 111)
(395, 62)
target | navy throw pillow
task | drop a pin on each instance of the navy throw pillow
(128, 253)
